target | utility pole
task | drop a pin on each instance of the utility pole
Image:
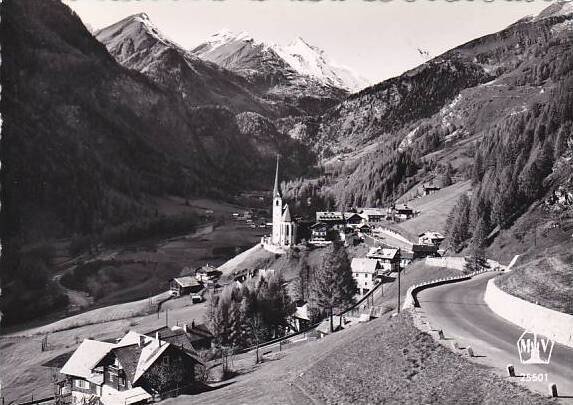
(398, 309)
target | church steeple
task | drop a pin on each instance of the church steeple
(276, 190)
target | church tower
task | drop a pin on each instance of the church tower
(277, 209)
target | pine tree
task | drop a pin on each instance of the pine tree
(476, 261)
(333, 286)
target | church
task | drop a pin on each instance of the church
(284, 228)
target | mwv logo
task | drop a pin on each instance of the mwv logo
(534, 348)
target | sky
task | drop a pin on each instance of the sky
(377, 39)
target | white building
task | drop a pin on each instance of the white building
(365, 272)
(284, 228)
(430, 238)
(389, 259)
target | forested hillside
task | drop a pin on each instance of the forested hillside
(497, 109)
(87, 144)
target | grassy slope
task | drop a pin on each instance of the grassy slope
(384, 361)
(543, 272)
(434, 209)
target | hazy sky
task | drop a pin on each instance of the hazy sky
(378, 39)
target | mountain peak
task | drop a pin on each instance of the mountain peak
(559, 8)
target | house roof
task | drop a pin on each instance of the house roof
(319, 225)
(329, 216)
(187, 281)
(406, 255)
(131, 396)
(88, 354)
(364, 265)
(373, 211)
(431, 234)
(150, 352)
(382, 253)
(403, 207)
(302, 312)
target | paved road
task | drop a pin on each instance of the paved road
(460, 311)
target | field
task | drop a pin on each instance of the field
(434, 209)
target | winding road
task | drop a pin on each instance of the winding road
(460, 311)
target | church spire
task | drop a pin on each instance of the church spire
(276, 190)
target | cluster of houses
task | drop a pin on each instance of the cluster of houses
(134, 369)
(193, 285)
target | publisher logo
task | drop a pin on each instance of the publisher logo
(534, 348)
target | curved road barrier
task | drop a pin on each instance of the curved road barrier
(534, 318)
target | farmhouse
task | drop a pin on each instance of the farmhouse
(430, 238)
(333, 219)
(365, 271)
(301, 317)
(206, 273)
(373, 215)
(403, 212)
(430, 189)
(128, 372)
(388, 258)
(406, 258)
(319, 231)
(184, 286)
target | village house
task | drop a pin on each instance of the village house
(184, 286)
(301, 317)
(388, 258)
(319, 232)
(365, 228)
(403, 212)
(365, 271)
(422, 251)
(406, 258)
(430, 238)
(373, 215)
(333, 219)
(206, 273)
(430, 189)
(131, 371)
(353, 220)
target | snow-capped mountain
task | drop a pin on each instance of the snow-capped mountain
(242, 53)
(309, 60)
(136, 43)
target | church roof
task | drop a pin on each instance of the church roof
(277, 189)
(286, 214)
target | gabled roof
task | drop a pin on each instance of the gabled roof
(319, 225)
(88, 354)
(187, 281)
(403, 207)
(382, 253)
(329, 216)
(431, 234)
(302, 312)
(364, 265)
(424, 248)
(373, 211)
(150, 352)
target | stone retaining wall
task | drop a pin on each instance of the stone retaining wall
(534, 318)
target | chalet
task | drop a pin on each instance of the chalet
(184, 286)
(403, 212)
(373, 216)
(126, 372)
(430, 189)
(207, 272)
(388, 258)
(301, 317)
(422, 251)
(365, 271)
(334, 219)
(319, 231)
(353, 220)
(406, 258)
(430, 238)
(365, 228)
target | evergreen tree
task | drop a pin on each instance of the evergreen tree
(476, 261)
(333, 286)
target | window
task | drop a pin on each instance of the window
(165, 360)
(82, 384)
